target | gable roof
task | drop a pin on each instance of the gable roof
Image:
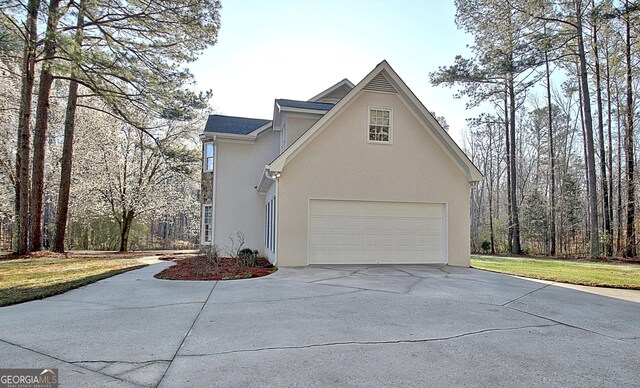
(233, 125)
(324, 106)
(341, 88)
(384, 79)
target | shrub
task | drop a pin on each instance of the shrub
(248, 257)
(212, 255)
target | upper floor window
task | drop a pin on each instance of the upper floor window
(208, 157)
(380, 120)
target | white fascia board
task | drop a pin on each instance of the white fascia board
(230, 137)
(223, 136)
(315, 115)
(261, 130)
(303, 110)
(276, 121)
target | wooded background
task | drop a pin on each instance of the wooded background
(559, 81)
(99, 123)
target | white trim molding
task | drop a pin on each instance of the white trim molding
(389, 125)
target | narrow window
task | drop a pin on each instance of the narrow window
(208, 157)
(270, 225)
(207, 223)
(380, 125)
(273, 224)
(267, 227)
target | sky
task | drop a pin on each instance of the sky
(296, 49)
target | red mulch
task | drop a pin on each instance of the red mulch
(201, 268)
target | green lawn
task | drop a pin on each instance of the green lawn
(22, 280)
(565, 271)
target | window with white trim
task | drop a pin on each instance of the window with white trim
(207, 223)
(270, 225)
(379, 125)
(208, 157)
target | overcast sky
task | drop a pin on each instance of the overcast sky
(297, 48)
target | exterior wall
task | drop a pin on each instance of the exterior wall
(238, 205)
(206, 187)
(297, 125)
(340, 164)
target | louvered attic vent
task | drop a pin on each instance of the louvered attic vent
(380, 83)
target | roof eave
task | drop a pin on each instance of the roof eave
(304, 110)
(224, 135)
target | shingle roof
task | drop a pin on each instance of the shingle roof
(233, 125)
(305, 104)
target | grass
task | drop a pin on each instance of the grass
(27, 279)
(565, 271)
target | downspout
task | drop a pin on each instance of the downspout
(274, 178)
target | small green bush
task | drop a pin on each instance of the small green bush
(248, 257)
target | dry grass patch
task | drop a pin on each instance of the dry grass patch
(27, 279)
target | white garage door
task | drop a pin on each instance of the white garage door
(367, 232)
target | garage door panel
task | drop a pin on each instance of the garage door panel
(371, 224)
(365, 232)
(403, 224)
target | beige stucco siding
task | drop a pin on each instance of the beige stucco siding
(297, 125)
(238, 205)
(340, 164)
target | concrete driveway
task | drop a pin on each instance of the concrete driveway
(328, 326)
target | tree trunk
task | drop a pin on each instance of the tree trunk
(23, 153)
(40, 133)
(67, 151)
(594, 243)
(507, 148)
(66, 168)
(610, 144)
(515, 248)
(619, 180)
(125, 228)
(491, 191)
(552, 163)
(608, 248)
(630, 250)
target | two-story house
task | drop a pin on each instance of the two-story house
(358, 174)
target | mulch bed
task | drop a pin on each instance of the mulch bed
(201, 268)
